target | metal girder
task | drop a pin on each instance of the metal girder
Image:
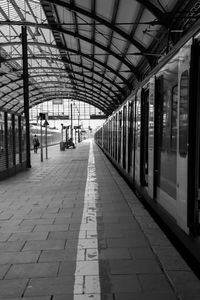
(75, 72)
(72, 7)
(87, 92)
(62, 48)
(163, 18)
(65, 95)
(80, 89)
(117, 56)
(93, 34)
(62, 82)
(80, 97)
(90, 92)
(49, 98)
(114, 16)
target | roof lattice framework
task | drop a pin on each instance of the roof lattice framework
(89, 50)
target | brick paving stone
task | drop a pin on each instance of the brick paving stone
(19, 257)
(10, 222)
(52, 227)
(4, 237)
(32, 270)
(184, 281)
(114, 253)
(41, 221)
(64, 235)
(120, 283)
(14, 228)
(3, 270)
(31, 236)
(12, 288)
(84, 297)
(141, 253)
(44, 245)
(54, 286)
(146, 296)
(62, 255)
(28, 298)
(11, 246)
(32, 298)
(137, 241)
(154, 282)
(67, 220)
(5, 216)
(134, 267)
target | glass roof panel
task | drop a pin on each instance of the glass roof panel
(70, 40)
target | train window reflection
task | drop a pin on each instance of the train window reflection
(2, 142)
(174, 117)
(183, 118)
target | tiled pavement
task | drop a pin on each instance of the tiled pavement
(49, 247)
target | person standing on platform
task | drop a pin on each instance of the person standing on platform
(35, 143)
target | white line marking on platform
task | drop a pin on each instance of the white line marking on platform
(89, 267)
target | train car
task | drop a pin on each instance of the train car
(53, 134)
(153, 138)
(13, 142)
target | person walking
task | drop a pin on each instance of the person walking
(35, 143)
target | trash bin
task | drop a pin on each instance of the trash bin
(62, 146)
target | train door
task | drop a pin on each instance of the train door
(194, 141)
(130, 136)
(137, 136)
(151, 142)
(119, 136)
(144, 138)
(115, 137)
(182, 142)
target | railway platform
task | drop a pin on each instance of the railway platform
(71, 228)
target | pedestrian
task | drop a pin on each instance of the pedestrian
(35, 143)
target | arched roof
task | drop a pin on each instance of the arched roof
(90, 50)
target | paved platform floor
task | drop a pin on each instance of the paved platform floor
(71, 228)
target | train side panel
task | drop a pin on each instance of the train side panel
(182, 138)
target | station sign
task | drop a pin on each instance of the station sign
(99, 117)
(58, 117)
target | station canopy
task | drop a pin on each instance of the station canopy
(89, 50)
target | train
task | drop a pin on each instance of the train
(153, 139)
(13, 154)
(53, 134)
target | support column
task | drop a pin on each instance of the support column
(26, 93)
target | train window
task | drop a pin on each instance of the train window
(119, 135)
(23, 139)
(174, 117)
(124, 136)
(167, 132)
(115, 131)
(17, 139)
(130, 135)
(2, 142)
(10, 140)
(183, 117)
(145, 137)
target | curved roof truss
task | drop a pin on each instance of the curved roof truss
(96, 48)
